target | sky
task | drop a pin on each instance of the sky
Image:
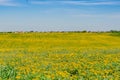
(59, 15)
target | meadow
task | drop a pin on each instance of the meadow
(59, 56)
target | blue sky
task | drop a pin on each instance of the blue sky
(59, 15)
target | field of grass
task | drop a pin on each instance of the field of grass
(59, 56)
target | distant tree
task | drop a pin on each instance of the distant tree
(31, 31)
(9, 32)
(84, 31)
(114, 31)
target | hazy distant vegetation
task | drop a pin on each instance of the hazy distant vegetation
(83, 31)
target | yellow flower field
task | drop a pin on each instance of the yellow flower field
(59, 56)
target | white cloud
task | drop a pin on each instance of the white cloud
(86, 3)
(8, 3)
(47, 2)
(91, 2)
(115, 16)
(41, 2)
